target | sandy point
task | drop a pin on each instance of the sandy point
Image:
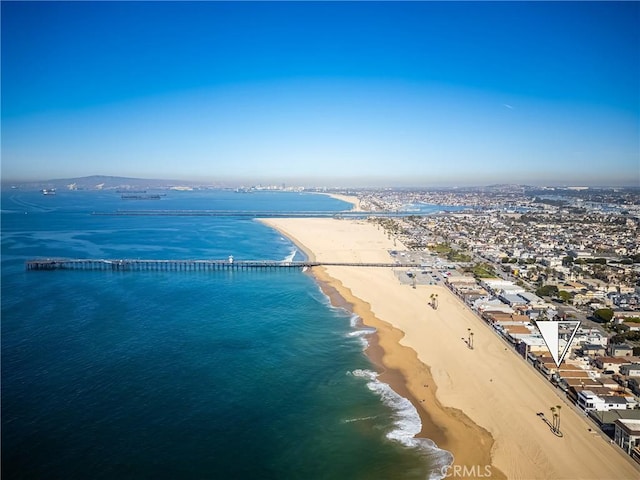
(481, 404)
(352, 199)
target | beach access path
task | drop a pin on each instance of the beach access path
(480, 404)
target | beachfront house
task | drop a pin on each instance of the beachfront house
(627, 434)
(606, 420)
(588, 401)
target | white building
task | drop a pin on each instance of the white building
(498, 285)
(627, 434)
(589, 401)
(531, 298)
(590, 337)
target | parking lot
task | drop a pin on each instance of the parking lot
(429, 269)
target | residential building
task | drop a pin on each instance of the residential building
(620, 350)
(607, 420)
(611, 364)
(590, 337)
(593, 350)
(627, 434)
(630, 370)
(588, 401)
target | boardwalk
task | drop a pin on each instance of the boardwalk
(185, 265)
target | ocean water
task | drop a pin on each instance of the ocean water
(194, 375)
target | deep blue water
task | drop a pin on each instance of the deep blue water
(196, 375)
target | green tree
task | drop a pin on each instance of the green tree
(603, 314)
(617, 339)
(547, 291)
(564, 295)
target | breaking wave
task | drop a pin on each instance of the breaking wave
(407, 424)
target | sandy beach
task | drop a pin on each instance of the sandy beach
(480, 404)
(354, 201)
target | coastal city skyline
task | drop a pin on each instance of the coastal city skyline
(359, 94)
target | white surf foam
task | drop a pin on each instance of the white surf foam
(407, 424)
(289, 258)
(360, 331)
(363, 332)
(355, 322)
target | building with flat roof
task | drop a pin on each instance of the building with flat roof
(593, 350)
(627, 434)
(607, 419)
(588, 401)
(612, 364)
(532, 298)
(513, 300)
(630, 370)
(620, 350)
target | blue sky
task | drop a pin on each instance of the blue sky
(358, 93)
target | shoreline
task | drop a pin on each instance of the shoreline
(399, 367)
(353, 200)
(480, 404)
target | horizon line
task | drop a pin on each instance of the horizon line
(328, 183)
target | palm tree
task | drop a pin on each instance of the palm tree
(555, 411)
(434, 301)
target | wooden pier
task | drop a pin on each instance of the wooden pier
(186, 265)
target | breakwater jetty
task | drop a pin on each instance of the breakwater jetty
(186, 265)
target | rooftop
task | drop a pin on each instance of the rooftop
(630, 425)
(612, 415)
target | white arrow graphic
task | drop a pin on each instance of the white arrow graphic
(551, 337)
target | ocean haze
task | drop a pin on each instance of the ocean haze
(106, 182)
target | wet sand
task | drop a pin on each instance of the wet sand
(400, 368)
(480, 404)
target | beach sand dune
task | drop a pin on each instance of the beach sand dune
(481, 404)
